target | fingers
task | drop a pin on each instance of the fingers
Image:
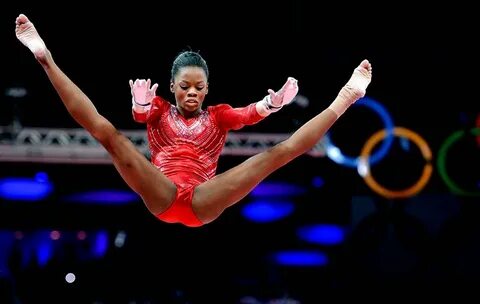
(143, 83)
(291, 82)
(137, 83)
(154, 88)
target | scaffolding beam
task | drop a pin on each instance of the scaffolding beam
(76, 146)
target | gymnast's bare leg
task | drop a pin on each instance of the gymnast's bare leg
(213, 197)
(156, 189)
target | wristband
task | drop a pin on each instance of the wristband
(141, 104)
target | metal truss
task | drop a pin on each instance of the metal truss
(76, 146)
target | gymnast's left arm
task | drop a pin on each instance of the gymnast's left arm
(235, 118)
(274, 101)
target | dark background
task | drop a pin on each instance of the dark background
(425, 73)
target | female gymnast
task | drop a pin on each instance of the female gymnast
(179, 184)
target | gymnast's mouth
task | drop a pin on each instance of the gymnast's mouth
(191, 101)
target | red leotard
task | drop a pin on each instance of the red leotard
(187, 150)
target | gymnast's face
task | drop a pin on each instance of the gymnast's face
(190, 86)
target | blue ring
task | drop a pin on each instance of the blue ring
(335, 154)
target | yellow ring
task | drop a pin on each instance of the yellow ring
(364, 165)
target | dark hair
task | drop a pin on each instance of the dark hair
(188, 59)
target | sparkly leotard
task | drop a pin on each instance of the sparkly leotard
(187, 150)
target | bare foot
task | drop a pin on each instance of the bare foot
(28, 35)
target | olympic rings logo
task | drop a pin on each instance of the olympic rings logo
(366, 158)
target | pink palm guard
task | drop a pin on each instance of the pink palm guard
(285, 95)
(142, 93)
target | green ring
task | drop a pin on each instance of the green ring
(442, 160)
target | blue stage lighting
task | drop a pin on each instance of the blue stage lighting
(265, 211)
(103, 197)
(277, 189)
(324, 234)
(300, 258)
(25, 189)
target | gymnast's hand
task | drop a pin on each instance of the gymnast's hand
(142, 93)
(285, 95)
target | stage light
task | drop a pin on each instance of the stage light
(300, 258)
(26, 189)
(70, 277)
(323, 234)
(103, 197)
(266, 211)
(277, 189)
(100, 246)
(318, 182)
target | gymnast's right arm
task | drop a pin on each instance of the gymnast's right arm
(142, 97)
